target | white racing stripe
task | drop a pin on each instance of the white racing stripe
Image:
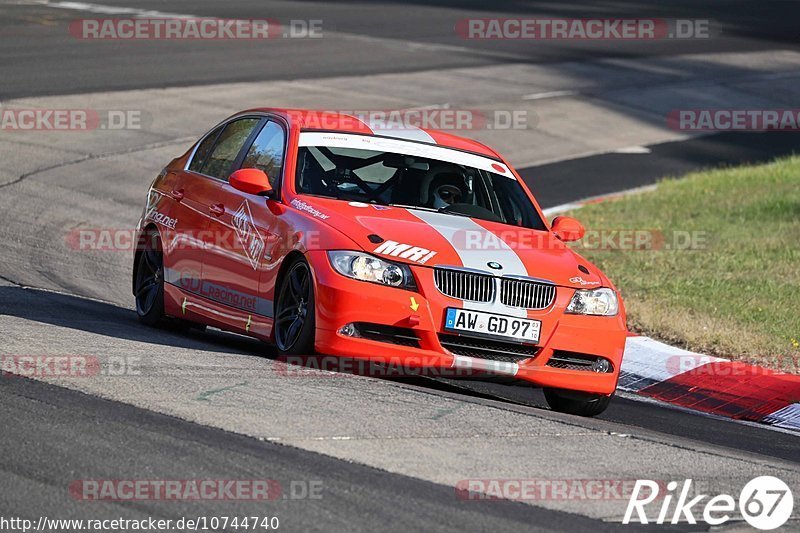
(455, 229)
(411, 133)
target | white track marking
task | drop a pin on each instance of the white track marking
(549, 94)
(100, 9)
(632, 150)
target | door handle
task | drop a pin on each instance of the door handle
(178, 194)
(217, 209)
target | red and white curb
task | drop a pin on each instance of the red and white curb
(721, 387)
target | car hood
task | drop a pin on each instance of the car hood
(431, 239)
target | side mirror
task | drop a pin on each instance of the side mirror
(251, 181)
(568, 229)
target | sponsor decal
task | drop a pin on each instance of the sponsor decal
(310, 209)
(152, 212)
(378, 207)
(405, 251)
(190, 281)
(246, 230)
(581, 281)
(164, 220)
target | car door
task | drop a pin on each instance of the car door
(233, 265)
(190, 192)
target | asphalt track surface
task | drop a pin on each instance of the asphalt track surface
(53, 435)
(362, 38)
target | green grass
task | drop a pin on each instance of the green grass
(736, 293)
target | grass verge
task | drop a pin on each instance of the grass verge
(721, 271)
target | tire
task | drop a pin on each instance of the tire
(576, 403)
(148, 286)
(295, 311)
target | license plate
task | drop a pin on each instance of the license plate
(492, 325)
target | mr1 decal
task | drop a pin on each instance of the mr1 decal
(252, 241)
(405, 251)
(310, 209)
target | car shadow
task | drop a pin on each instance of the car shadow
(101, 318)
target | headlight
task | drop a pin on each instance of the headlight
(594, 302)
(365, 267)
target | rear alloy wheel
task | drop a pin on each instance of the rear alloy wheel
(294, 312)
(149, 283)
(575, 403)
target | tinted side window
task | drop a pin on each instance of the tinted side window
(229, 144)
(203, 149)
(266, 153)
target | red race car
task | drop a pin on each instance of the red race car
(323, 233)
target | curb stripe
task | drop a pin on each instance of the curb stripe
(787, 418)
(731, 389)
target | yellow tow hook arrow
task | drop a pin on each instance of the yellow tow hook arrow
(249, 323)
(414, 304)
(183, 307)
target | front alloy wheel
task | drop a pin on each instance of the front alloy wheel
(294, 312)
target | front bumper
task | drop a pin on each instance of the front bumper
(341, 300)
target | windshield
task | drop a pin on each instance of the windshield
(415, 182)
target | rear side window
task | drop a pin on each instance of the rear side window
(266, 153)
(201, 154)
(229, 144)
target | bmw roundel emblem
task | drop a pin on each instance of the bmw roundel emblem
(495, 265)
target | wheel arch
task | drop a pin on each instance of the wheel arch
(149, 229)
(290, 258)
